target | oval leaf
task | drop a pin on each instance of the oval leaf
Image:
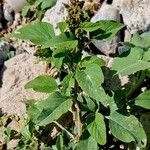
(55, 106)
(97, 129)
(90, 81)
(127, 129)
(38, 33)
(42, 83)
(143, 100)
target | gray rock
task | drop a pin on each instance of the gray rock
(17, 72)
(16, 5)
(4, 48)
(8, 13)
(1, 16)
(135, 13)
(107, 12)
(56, 14)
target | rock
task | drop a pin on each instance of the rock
(8, 13)
(135, 14)
(56, 14)
(16, 5)
(16, 73)
(4, 48)
(1, 16)
(107, 12)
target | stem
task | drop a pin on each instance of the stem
(134, 87)
(79, 124)
(60, 126)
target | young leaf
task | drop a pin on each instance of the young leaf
(43, 83)
(38, 33)
(130, 64)
(92, 60)
(87, 143)
(48, 4)
(143, 100)
(127, 129)
(97, 129)
(105, 29)
(141, 41)
(52, 108)
(90, 81)
(67, 84)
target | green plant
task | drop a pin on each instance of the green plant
(39, 5)
(99, 116)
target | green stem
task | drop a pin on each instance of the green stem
(136, 85)
(60, 126)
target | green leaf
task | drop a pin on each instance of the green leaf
(43, 83)
(33, 110)
(90, 81)
(130, 64)
(38, 33)
(63, 41)
(97, 129)
(143, 100)
(25, 9)
(60, 143)
(105, 29)
(67, 84)
(87, 143)
(48, 4)
(92, 60)
(63, 26)
(141, 41)
(146, 56)
(127, 129)
(26, 133)
(52, 108)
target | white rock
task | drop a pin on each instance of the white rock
(17, 72)
(106, 12)
(16, 5)
(56, 14)
(135, 13)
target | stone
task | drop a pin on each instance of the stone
(135, 14)
(16, 73)
(1, 14)
(56, 14)
(4, 48)
(16, 5)
(107, 12)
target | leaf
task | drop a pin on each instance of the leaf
(63, 41)
(48, 4)
(38, 33)
(146, 56)
(127, 129)
(92, 60)
(130, 64)
(143, 100)
(42, 83)
(67, 84)
(63, 26)
(90, 81)
(97, 129)
(105, 29)
(25, 9)
(141, 41)
(52, 108)
(87, 143)
(26, 133)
